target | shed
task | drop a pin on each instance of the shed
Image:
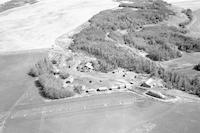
(102, 89)
(149, 83)
(114, 87)
(89, 65)
(145, 85)
(90, 91)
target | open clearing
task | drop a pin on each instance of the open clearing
(194, 27)
(184, 64)
(116, 113)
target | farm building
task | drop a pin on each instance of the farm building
(114, 87)
(89, 65)
(102, 89)
(121, 86)
(90, 91)
(85, 67)
(145, 85)
(149, 83)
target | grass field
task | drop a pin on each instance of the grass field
(194, 27)
(14, 80)
(104, 113)
(38, 25)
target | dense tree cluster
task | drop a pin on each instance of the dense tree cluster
(130, 19)
(185, 43)
(180, 81)
(50, 82)
(43, 66)
(158, 44)
(189, 14)
(108, 53)
(161, 43)
(164, 42)
(52, 87)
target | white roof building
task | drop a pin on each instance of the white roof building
(103, 88)
(89, 65)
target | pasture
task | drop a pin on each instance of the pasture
(111, 113)
(14, 80)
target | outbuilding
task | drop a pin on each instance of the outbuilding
(102, 89)
(114, 87)
(149, 83)
(90, 91)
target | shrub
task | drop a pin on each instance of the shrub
(103, 66)
(185, 43)
(42, 67)
(33, 72)
(78, 89)
(64, 75)
(197, 67)
(189, 14)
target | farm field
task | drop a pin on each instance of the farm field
(14, 80)
(193, 4)
(112, 101)
(32, 27)
(91, 114)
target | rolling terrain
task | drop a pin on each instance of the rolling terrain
(123, 110)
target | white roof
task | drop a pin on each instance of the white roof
(89, 65)
(149, 81)
(103, 88)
